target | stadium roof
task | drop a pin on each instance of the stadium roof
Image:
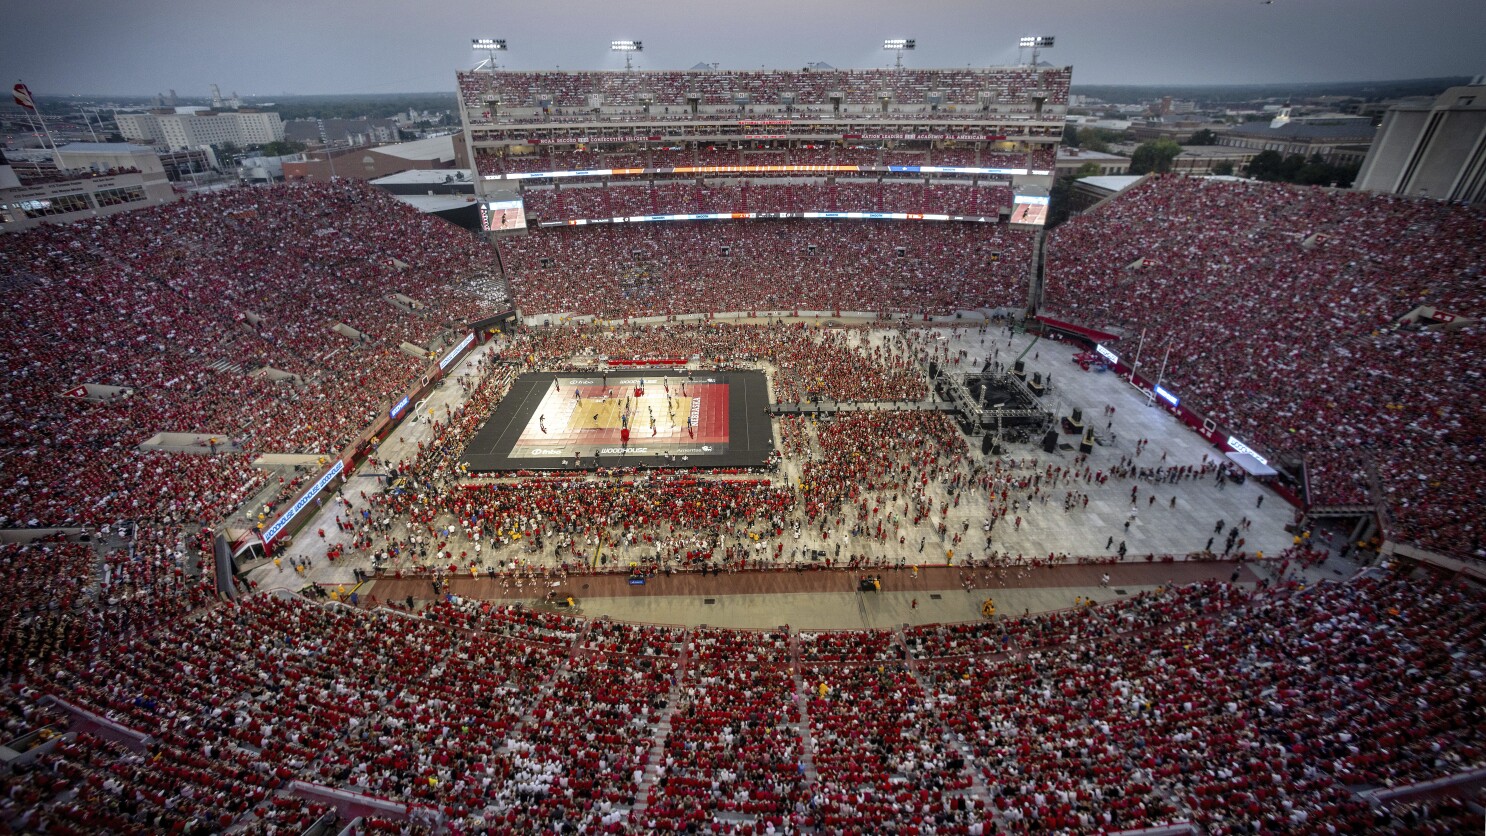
(1112, 183)
(425, 176)
(433, 148)
(436, 202)
(1302, 130)
(1066, 153)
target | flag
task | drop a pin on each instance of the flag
(22, 96)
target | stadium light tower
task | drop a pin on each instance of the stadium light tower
(490, 46)
(1035, 43)
(628, 48)
(900, 46)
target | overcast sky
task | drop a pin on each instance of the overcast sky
(271, 47)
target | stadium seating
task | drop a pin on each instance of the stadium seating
(1281, 305)
(846, 195)
(667, 89)
(149, 284)
(1111, 717)
(674, 268)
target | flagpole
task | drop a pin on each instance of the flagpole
(27, 101)
(48, 131)
(31, 123)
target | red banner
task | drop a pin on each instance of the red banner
(22, 96)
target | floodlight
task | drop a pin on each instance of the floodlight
(899, 46)
(489, 44)
(628, 48)
(1035, 43)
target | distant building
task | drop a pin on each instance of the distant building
(1339, 140)
(1175, 128)
(1200, 159)
(1071, 160)
(1432, 150)
(54, 195)
(371, 163)
(173, 130)
(342, 132)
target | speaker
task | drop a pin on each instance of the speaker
(1019, 367)
(1050, 441)
(986, 443)
(933, 369)
(1078, 416)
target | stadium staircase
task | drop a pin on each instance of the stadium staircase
(1037, 271)
(226, 367)
(655, 756)
(545, 687)
(977, 789)
(802, 701)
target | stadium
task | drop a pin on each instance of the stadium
(759, 468)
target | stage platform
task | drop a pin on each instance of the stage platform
(580, 421)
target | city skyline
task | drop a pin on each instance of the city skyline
(278, 48)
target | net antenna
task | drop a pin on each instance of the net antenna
(629, 48)
(489, 46)
(899, 46)
(1035, 43)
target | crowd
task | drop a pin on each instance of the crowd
(854, 482)
(1282, 307)
(663, 89)
(1195, 702)
(845, 195)
(1234, 709)
(139, 301)
(673, 268)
